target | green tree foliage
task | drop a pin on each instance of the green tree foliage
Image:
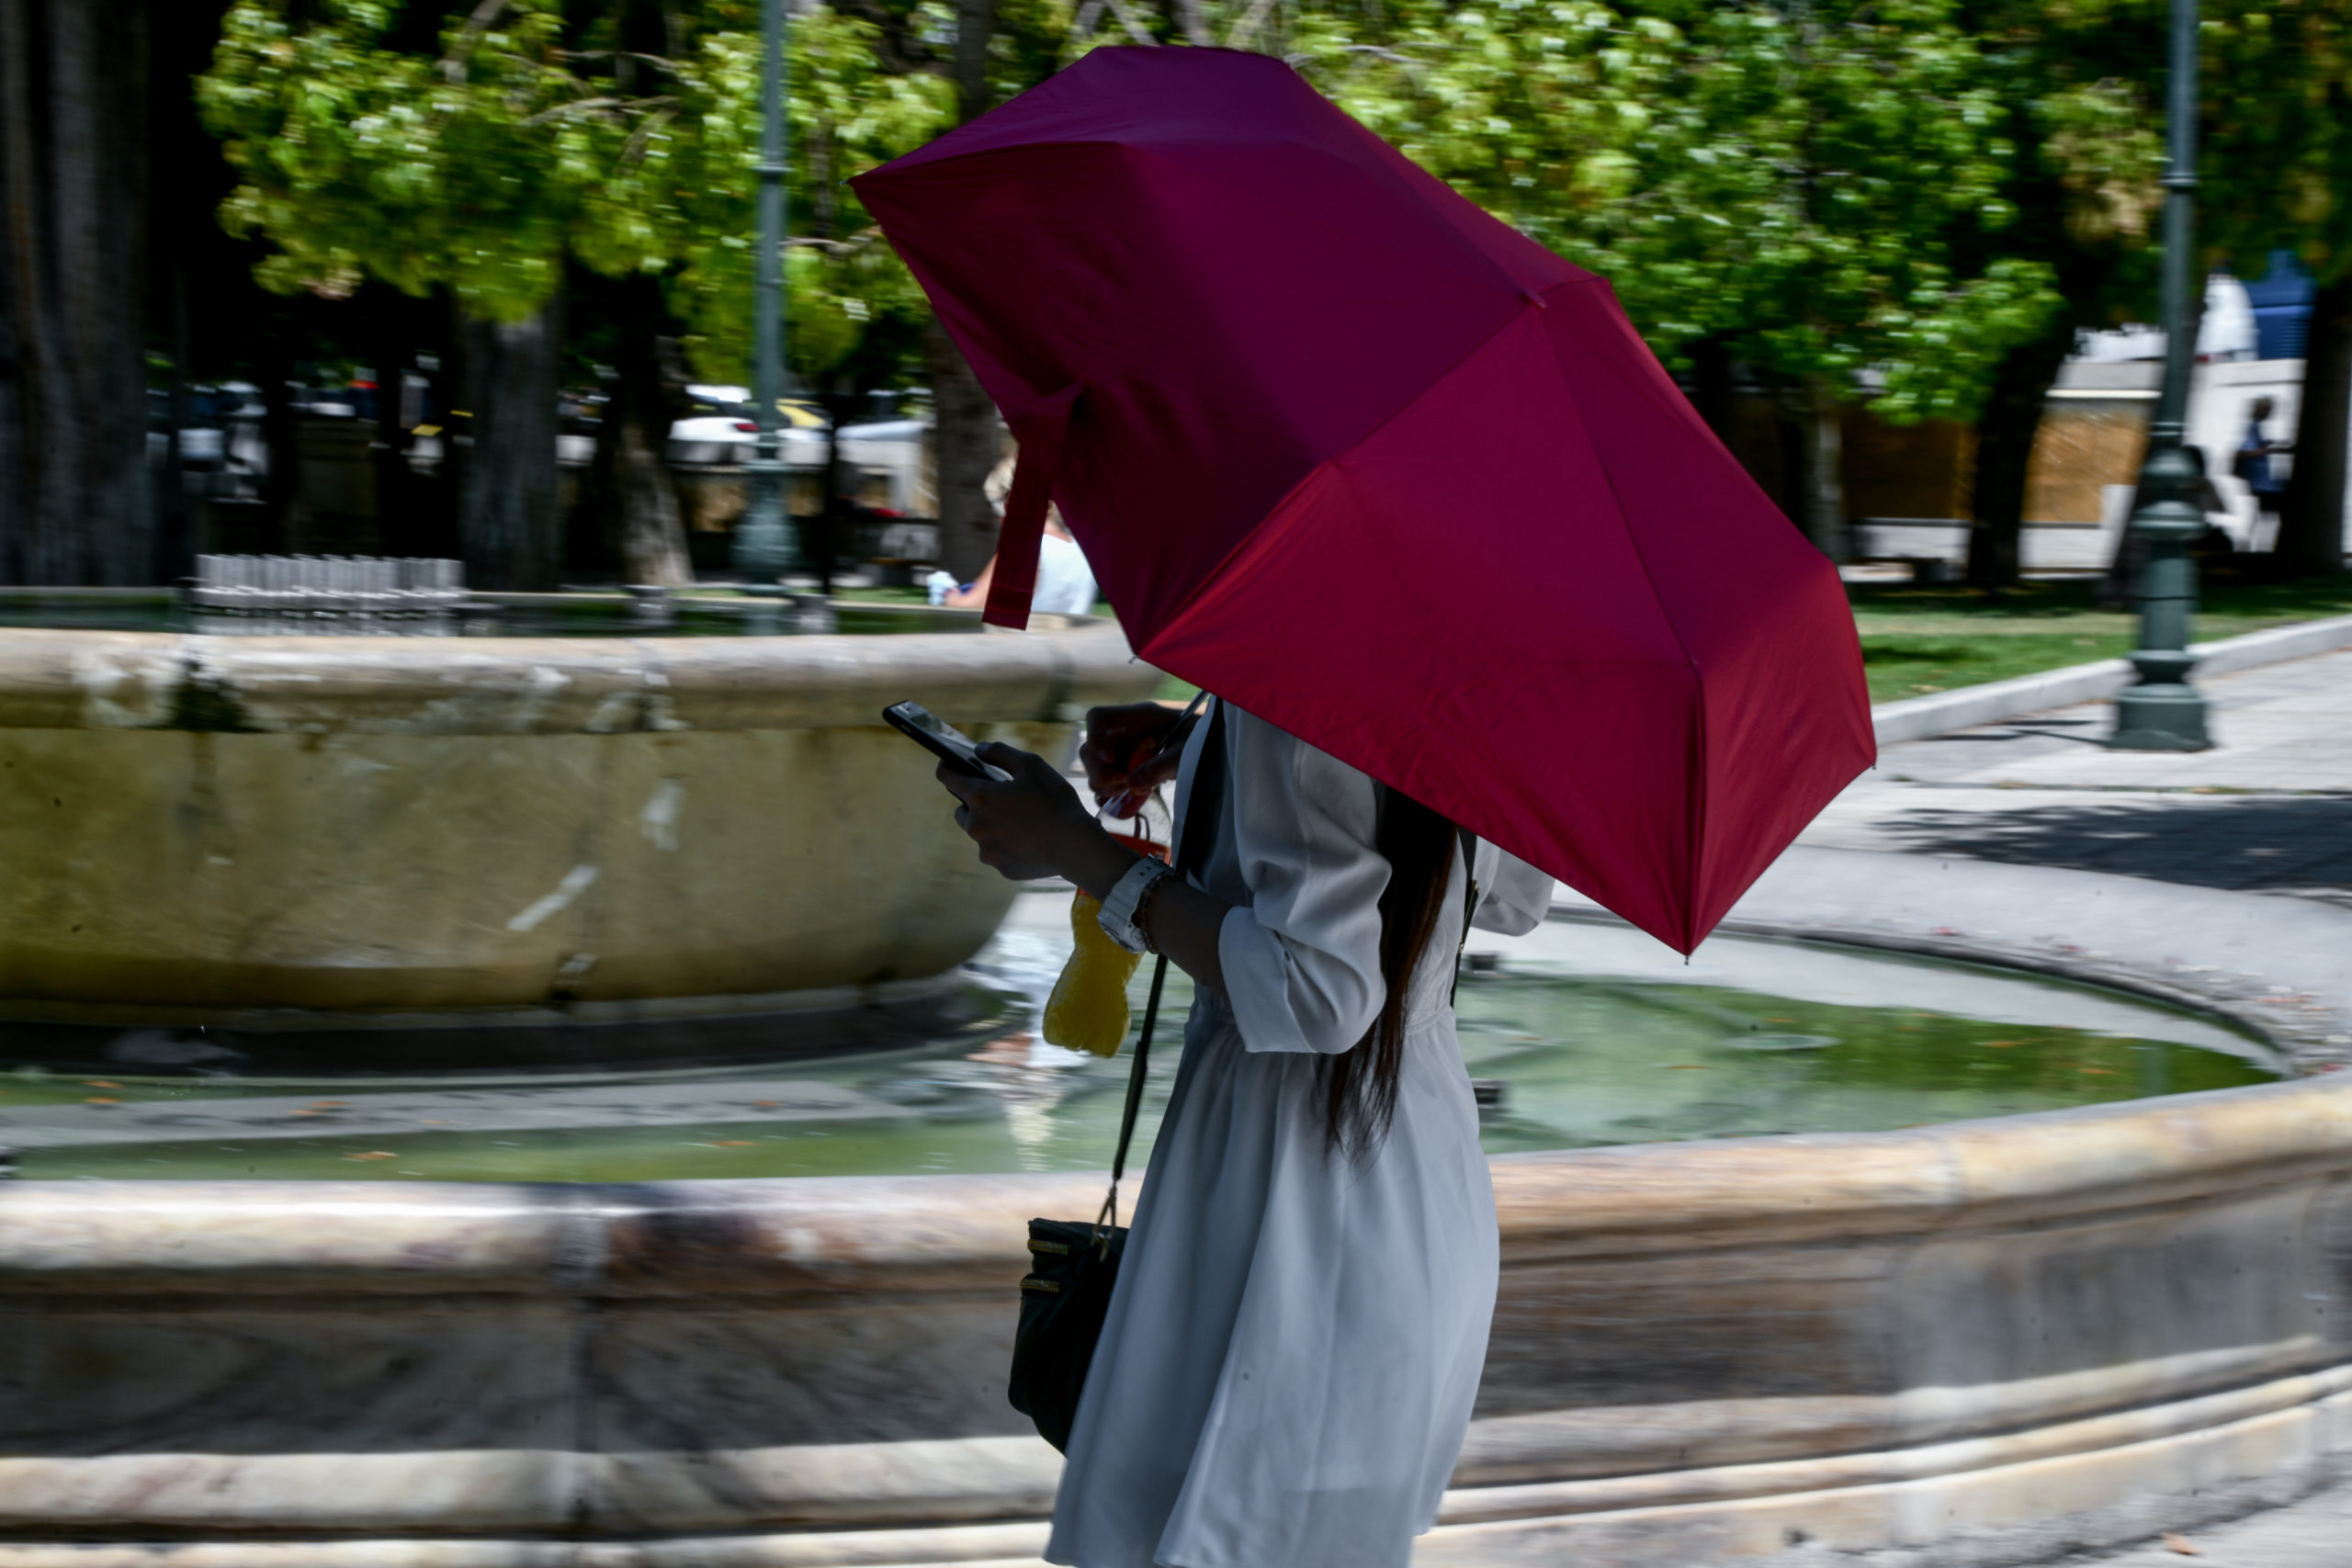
(1812, 185)
(846, 115)
(1912, 203)
(527, 133)
(1810, 179)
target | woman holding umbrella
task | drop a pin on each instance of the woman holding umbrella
(1300, 1316)
(1244, 344)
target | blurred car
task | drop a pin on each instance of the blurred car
(220, 446)
(721, 432)
(889, 454)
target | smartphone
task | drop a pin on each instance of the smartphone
(935, 734)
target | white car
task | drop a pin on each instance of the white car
(889, 454)
(721, 431)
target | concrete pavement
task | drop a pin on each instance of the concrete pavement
(2314, 1533)
(2268, 809)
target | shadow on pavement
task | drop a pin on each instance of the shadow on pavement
(2283, 843)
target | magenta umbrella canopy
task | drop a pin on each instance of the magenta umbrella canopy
(1348, 451)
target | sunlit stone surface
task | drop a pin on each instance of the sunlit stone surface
(1702, 1353)
(211, 829)
(1978, 1343)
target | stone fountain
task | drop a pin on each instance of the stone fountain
(291, 833)
(1951, 1347)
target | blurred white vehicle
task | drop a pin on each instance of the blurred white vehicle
(721, 431)
(889, 454)
(220, 448)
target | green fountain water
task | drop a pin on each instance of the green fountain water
(1583, 1035)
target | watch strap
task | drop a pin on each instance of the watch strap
(1117, 916)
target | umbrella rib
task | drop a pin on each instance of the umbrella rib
(1698, 808)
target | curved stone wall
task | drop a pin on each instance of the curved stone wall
(219, 829)
(1703, 1353)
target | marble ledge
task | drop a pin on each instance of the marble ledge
(514, 686)
(825, 1237)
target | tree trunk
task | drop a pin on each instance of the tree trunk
(975, 32)
(2311, 516)
(832, 507)
(1824, 482)
(1712, 392)
(2004, 437)
(74, 483)
(284, 520)
(175, 524)
(509, 529)
(967, 443)
(397, 522)
(653, 532)
(633, 493)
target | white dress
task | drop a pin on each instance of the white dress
(1291, 1355)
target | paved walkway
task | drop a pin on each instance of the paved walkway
(2268, 809)
(2315, 1533)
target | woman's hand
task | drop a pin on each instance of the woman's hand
(1120, 744)
(1032, 824)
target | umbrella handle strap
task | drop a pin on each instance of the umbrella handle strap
(1043, 432)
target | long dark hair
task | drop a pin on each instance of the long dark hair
(1359, 1085)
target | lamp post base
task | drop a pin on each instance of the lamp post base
(2160, 717)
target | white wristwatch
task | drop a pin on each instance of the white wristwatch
(1117, 916)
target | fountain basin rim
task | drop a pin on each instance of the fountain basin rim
(592, 1013)
(819, 1234)
(53, 679)
(2124, 979)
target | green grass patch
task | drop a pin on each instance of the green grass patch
(1920, 638)
(885, 595)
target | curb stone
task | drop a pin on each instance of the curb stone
(1941, 713)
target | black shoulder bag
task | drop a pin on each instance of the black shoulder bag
(1075, 1263)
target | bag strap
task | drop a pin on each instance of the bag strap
(1199, 825)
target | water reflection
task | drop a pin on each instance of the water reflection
(1585, 1036)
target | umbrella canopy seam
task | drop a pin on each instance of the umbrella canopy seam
(1283, 508)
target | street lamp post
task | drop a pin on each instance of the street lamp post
(763, 544)
(2161, 711)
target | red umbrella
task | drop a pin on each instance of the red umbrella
(1343, 448)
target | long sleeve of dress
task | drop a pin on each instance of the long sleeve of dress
(1513, 896)
(1302, 958)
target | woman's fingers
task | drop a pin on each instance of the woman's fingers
(1012, 759)
(1116, 731)
(1028, 823)
(958, 782)
(1118, 740)
(1154, 773)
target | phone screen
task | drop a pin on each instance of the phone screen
(920, 724)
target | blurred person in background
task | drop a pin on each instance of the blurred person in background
(2251, 463)
(1065, 582)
